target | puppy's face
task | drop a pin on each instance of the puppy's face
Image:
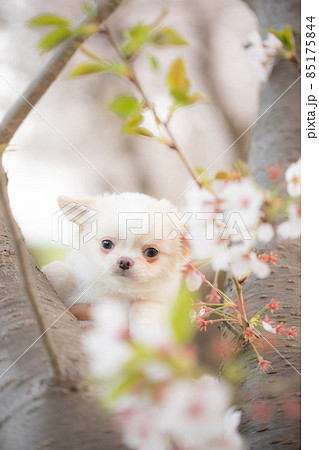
(139, 241)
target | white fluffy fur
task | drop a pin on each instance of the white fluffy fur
(92, 274)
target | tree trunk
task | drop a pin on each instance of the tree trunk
(271, 402)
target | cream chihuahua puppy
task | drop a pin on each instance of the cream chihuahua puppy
(135, 257)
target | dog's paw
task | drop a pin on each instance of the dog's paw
(60, 277)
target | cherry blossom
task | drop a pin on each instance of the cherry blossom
(213, 296)
(194, 414)
(245, 198)
(263, 54)
(273, 305)
(265, 232)
(292, 176)
(268, 327)
(274, 172)
(264, 366)
(291, 229)
(270, 258)
(193, 278)
(110, 332)
(243, 261)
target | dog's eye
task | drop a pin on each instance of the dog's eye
(108, 245)
(151, 252)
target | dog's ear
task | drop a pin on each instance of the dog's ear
(77, 211)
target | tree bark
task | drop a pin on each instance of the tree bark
(45, 398)
(271, 402)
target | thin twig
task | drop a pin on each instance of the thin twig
(133, 78)
(26, 273)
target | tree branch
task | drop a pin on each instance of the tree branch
(40, 84)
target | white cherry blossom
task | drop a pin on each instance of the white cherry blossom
(292, 175)
(245, 198)
(291, 228)
(106, 342)
(262, 54)
(265, 232)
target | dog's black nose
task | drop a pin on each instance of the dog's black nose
(125, 263)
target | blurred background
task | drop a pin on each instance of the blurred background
(73, 118)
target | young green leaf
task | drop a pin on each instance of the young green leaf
(45, 20)
(154, 63)
(86, 30)
(87, 68)
(54, 38)
(167, 36)
(241, 167)
(180, 317)
(144, 132)
(177, 79)
(131, 124)
(138, 36)
(286, 37)
(100, 66)
(89, 53)
(125, 106)
(178, 82)
(290, 39)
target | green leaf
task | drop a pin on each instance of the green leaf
(54, 38)
(178, 84)
(125, 106)
(167, 36)
(45, 20)
(289, 38)
(89, 53)
(87, 68)
(204, 179)
(121, 69)
(154, 63)
(100, 66)
(131, 125)
(286, 37)
(144, 132)
(86, 30)
(180, 317)
(241, 167)
(138, 36)
(177, 80)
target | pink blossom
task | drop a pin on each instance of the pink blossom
(273, 305)
(264, 366)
